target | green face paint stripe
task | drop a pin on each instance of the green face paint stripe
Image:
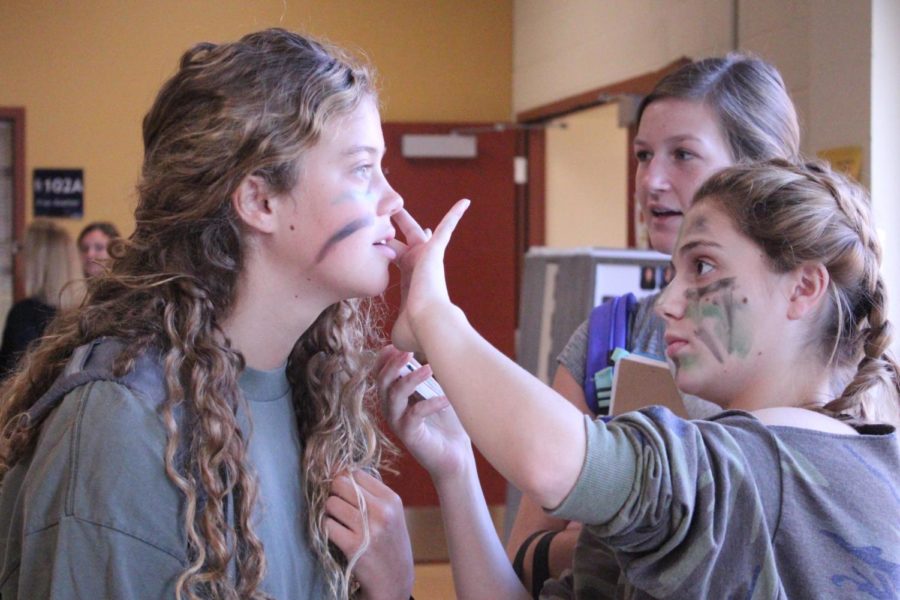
(727, 282)
(686, 362)
(704, 336)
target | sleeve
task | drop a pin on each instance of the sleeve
(703, 498)
(98, 515)
(78, 559)
(574, 353)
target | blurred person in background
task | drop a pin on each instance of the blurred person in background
(52, 283)
(93, 246)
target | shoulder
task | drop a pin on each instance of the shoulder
(732, 445)
(578, 339)
(29, 310)
(31, 305)
(573, 354)
(646, 335)
(104, 445)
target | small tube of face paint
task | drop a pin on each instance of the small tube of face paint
(428, 388)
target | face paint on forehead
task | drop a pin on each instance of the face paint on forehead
(698, 225)
(343, 233)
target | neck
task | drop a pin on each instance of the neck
(267, 318)
(782, 387)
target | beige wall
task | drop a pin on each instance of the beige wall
(886, 145)
(564, 48)
(86, 72)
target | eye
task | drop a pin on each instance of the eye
(643, 155)
(682, 154)
(703, 267)
(364, 170)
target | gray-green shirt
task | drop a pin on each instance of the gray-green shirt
(92, 513)
(730, 508)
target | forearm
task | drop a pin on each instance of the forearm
(531, 519)
(542, 449)
(479, 563)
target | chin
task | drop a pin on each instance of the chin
(375, 288)
(663, 240)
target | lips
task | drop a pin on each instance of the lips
(384, 245)
(386, 236)
(674, 344)
(662, 213)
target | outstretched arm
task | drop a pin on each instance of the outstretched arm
(531, 518)
(432, 433)
(543, 453)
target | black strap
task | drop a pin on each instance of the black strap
(540, 565)
(519, 561)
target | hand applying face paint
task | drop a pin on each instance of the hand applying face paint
(423, 284)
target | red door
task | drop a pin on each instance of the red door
(481, 262)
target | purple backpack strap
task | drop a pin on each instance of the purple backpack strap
(607, 330)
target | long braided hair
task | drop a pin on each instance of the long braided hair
(800, 213)
(231, 110)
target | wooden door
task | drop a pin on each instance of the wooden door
(12, 206)
(481, 262)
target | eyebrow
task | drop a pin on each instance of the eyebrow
(697, 244)
(357, 149)
(675, 138)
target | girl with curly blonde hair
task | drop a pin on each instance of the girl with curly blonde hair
(200, 427)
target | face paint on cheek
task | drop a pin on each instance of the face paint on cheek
(684, 362)
(715, 302)
(342, 234)
(706, 337)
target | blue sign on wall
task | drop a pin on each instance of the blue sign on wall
(58, 193)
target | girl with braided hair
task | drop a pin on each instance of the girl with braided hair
(208, 432)
(777, 314)
(705, 116)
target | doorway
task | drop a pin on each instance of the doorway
(620, 98)
(586, 171)
(12, 205)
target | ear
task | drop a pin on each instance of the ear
(809, 285)
(253, 201)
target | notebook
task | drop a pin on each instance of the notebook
(639, 381)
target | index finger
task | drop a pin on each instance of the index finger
(445, 228)
(411, 229)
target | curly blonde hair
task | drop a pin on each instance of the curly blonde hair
(799, 213)
(231, 110)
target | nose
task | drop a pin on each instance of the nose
(655, 175)
(391, 202)
(670, 305)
